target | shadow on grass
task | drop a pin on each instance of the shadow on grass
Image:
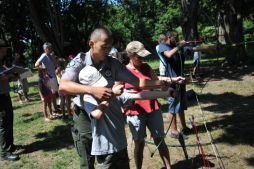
(15, 107)
(239, 124)
(220, 71)
(250, 161)
(34, 97)
(32, 117)
(192, 163)
(60, 137)
(26, 115)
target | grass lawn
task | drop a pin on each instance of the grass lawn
(227, 104)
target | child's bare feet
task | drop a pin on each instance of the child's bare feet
(52, 117)
(54, 114)
(47, 119)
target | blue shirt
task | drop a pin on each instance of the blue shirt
(48, 62)
(162, 67)
(174, 64)
(108, 132)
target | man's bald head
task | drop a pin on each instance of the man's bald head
(98, 32)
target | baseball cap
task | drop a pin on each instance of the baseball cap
(136, 47)
(3, 44)
(71, 56)
(89, 75)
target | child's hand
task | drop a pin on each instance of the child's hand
(105, 103)
(118, 89)
(179, 80)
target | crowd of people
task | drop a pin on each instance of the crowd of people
(109, 89)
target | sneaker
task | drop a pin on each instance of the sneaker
(9, 157)
(177, 135)
(186, 131)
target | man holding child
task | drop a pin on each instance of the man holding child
(112, 70)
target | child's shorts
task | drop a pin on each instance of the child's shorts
(50, 96)
(53, 85)
(61, 94)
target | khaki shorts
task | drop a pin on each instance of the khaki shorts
(138, 124)
(53, 85)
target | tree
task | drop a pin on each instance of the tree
(46, 17)
(230, 19)
(190, 18)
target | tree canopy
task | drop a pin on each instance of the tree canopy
(26, 24)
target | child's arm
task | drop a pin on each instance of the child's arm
(149, 95)
(100, 110)
(178, 80)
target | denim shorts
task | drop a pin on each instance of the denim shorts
(175, 105)
(138, 123)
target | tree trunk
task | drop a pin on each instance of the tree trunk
(49, 27)
(190, 17)
(230, 21)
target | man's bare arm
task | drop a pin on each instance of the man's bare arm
(204, 48)
(37, 64)
(74, 88)
(148, 95)
(170, 53)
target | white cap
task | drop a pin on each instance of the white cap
(89, 75)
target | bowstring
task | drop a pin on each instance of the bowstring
(214, 148)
